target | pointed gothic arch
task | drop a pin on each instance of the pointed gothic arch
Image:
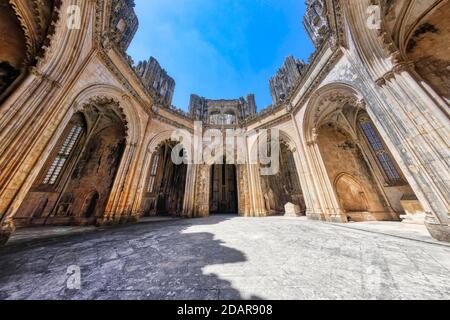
(165, 181)
(341, 137)
(284, 186)
(87, 154)
(352, 197)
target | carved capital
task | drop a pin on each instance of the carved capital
(77, 107)
(361, 104)
(313, 138)
(388, 76)
(403, 66)
(39, 74)
(381, 82)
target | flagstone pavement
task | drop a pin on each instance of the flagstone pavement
(225, 257)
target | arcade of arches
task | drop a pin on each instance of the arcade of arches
(86, 134)
(75, 183)
(165, 183)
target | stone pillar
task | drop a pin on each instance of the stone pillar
(25, 133)
(421, 130)
(313, 208)
(189, 195)
(30, 116)
(325, 191)
(257, 198)
(137, 181)
(23, 140)
(113, 213)
(142, 174)
(202, 188)
(243, 190)
(124, 205)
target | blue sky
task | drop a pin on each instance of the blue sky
(220, 48)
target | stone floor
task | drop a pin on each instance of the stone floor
(227, 258)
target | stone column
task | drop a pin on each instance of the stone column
(24, 135)
(313, 208)
(325, 191)
(257, 198)
(112, 213)
(243, 190)
(421, 128)
(307, 196)
(126, 197)
(141, 175)
(189, 194)
(23, 141)
(31, 115)
(202, 188)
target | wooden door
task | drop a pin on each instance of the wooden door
(223, 189)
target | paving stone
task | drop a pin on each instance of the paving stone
(228, 258)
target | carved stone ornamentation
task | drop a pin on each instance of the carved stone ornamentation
(156, 80)
(282, 84)
(316, 21)
(226, 112)
(123, 24)
(82, 128)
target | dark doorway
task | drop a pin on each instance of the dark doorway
(284, 187)
(166, 184)
(91, 205)
(223, 197)
(83, 156)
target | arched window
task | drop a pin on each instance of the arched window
(382, 155)
(63, 155)
(229, 119)
(153, 172)
(215, 119)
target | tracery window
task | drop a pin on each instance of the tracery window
(382, 155)
(153, 172)
(229, 119)
(63, 155)
(215, 119)
(222, 119)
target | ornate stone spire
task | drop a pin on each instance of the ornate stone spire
(316, 21)
(286, 78)
(124, 23)
(156, 80)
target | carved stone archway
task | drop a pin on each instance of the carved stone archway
(352, 196)
(334, 110)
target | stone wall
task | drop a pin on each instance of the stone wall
(429, 49)
(287, 77)
(342, 156)
(156, 80)
(201, 108)
(352, 65)
(89, 172)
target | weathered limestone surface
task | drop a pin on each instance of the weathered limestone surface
(315, 21)
(381, 77)
(228, 258)
(156, 79)
(414, 211)
(287, 77)
(292, 210)
(222, 112)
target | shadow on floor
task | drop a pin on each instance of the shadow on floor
(143, 261)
